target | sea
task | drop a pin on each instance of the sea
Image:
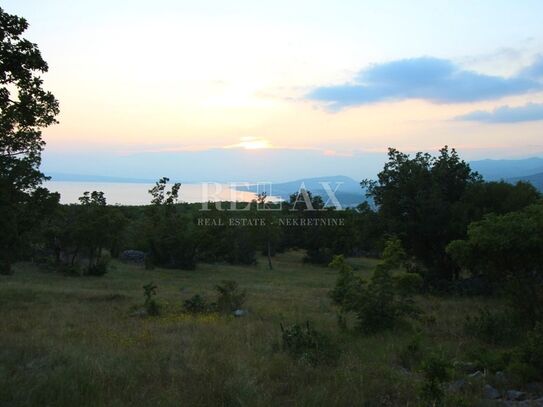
(138, 193)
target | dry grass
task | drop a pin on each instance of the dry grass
(70, 341)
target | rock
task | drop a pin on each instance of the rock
(476, 375)
(490, 392)
(458, 385)
(139, 313)
(534, 388)
(515, 395)
(240, 312)
(132, 256)
(404, 371)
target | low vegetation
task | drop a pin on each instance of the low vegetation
(433, 294)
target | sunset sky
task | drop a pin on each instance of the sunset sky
(334, 77)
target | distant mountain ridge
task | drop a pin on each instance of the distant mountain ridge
(536, 180)
(527, 170)
(347, 190)
(495, 170)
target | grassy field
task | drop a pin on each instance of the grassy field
(71, 341)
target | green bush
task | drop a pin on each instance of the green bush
(309, 346)
(490, 359)
(347, 284)
(410, 356)
(377, 304)
(196, 304)
(528, 363)
(230, 297)
(378, 307)
(99, 268)
(436, 370)
(150, 304)
(408, 283)
(494, 328)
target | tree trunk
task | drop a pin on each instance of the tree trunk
(269, 256)
(5, 265)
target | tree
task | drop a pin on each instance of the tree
(495, 197)
(83, 231)
(417, 197)
(25, 108)
(508, 249)
(269, 231)
(378, 304)
(170, 235)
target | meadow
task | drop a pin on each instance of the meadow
(74, 341)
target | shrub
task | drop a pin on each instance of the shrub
(376, 308)
(490, 359)
(529, 363)
(408, 283)
(347, 284)
(99, 268)
(196, 304)
(230, 297)
(436, 370)
(308, 345)
(69, 269)
(393, 255)
(376, 305)
(411, 354)
(495, 328)
(150, 304)
(320, 255)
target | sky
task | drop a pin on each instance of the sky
(342, 79)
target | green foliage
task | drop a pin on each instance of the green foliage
(411, 355)
(100, 267)
(377, 308)
(490, 359)
(308, 345)
(496, 197)
(417, 198)
(436, 370)
(492, 327)
(81, 235)
(507, 249)
(169, 235)
(347, 284)
(377, 305)
(230, 297)
(529, 357)
(25, 109)
(393, 255)
(408, 283)
(197, 304)
(163, 197)
(151, 306)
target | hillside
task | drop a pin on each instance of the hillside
(536, 180)
(349, 192)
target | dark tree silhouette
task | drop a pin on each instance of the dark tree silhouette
(25, 108)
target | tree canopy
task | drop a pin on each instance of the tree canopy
(25, 108)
